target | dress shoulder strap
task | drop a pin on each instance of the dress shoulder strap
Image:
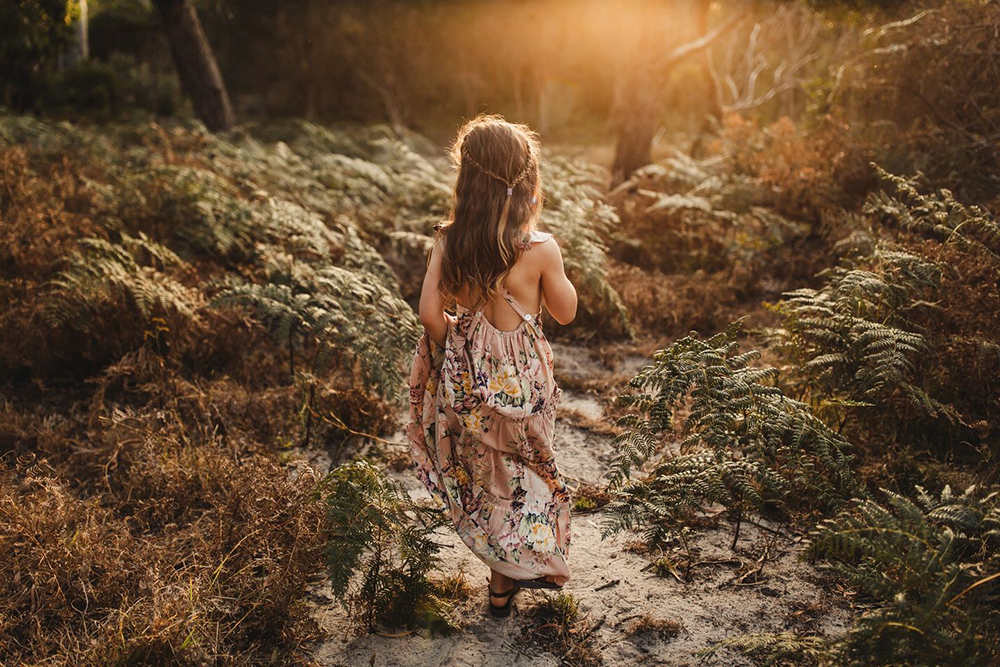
(531, 319)
(535, 237)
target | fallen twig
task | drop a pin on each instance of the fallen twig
(395, 635)
(613, 582)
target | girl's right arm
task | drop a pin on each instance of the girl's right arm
(432, 314)
(558, 292)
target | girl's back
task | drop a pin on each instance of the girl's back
(523, 282)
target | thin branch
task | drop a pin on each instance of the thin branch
(703, 42)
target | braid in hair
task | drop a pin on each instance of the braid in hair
(510, 184)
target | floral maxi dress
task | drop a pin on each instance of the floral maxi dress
(482, 416)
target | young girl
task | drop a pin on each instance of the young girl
(482, 390)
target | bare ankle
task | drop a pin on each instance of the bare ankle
(500, 582)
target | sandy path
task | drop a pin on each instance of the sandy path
(712, 606)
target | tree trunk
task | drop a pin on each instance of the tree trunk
(79, 48)
(711, 92)
(543, 103)
(196, 66)
(636, 127)
(639, 108)
(714, 112)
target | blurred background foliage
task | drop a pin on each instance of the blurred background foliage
(911, 80)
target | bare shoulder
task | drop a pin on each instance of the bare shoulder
(544, 252)
(546, 244)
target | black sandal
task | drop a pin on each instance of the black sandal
(502, 611)
(540, 582)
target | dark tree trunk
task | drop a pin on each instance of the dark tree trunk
(196, 66)
(637, 126)
(638, 107)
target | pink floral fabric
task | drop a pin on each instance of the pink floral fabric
(482, 415)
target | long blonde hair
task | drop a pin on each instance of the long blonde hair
(494, 205)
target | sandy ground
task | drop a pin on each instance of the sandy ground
(614, 584)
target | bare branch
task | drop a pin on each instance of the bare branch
(741, 74)
(703, 42)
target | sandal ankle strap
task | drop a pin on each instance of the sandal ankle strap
(502, 595)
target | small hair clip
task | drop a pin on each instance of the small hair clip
(510, 191)
(534, 200)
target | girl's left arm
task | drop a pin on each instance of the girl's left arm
(432, 314)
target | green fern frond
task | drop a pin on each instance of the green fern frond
(342, 316)
(743, 443)
(101, 271)
(931, 565)
(854, 337)
(381, 547)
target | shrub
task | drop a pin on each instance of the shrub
(379, 556)
(923, 96)
(744, 443)
(578, 217)
(32, 35)
(700, 227)
(800, 173)
(932, 568)
(99, 90)
(899, 343)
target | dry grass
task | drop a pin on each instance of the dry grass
(145, 523)
(558, 625)
(454, 587)
(652, 627)
(589, 498)
(144, 518)
(183, 554)
(674, 304)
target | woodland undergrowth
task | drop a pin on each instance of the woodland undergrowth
(878, 400)
(178, 312)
